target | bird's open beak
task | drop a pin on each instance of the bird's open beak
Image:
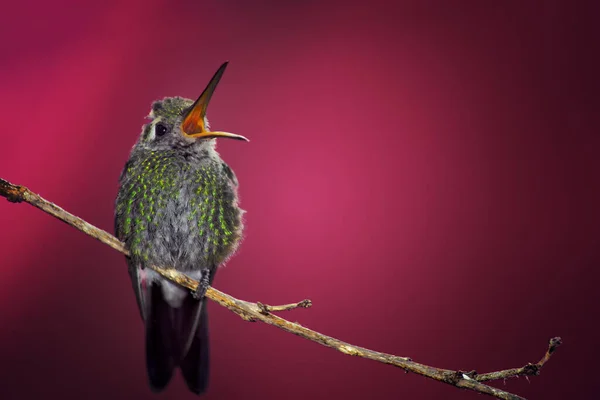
(194, 122)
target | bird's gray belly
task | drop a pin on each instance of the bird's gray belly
(176, 240)
(172, 293)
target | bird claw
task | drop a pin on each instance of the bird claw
(203, 285)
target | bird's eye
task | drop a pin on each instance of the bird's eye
(160, 129)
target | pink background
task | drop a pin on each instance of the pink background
(426, 173)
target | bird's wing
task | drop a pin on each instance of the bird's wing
(195, 364)
(139, 281)
(229, 173)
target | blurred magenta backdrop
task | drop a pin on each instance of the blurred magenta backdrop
(426, 172)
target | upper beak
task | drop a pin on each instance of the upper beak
(194, 122)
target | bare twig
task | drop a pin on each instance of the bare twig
(527, 370)
(267, 309)
(261, 312)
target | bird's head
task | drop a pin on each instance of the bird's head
(177, 122)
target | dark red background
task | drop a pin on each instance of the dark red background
(425, 172)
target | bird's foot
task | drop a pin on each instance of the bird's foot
(203, 285)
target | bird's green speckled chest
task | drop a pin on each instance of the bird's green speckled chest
(178, 212)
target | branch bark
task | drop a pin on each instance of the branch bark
(264, 313)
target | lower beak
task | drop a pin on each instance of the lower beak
(210, 135)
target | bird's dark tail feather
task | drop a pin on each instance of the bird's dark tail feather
(194, 366)
(159, 360)
(177, 337)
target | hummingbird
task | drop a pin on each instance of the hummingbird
(177, 207)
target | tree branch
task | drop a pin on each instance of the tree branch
(261, 312)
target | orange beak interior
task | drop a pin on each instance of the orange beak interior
(194, 122)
